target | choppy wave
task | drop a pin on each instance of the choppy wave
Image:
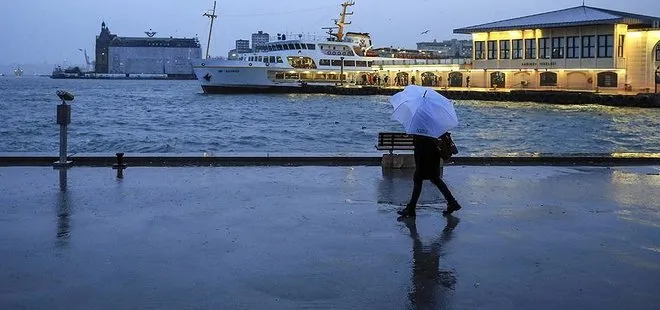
(173, 116)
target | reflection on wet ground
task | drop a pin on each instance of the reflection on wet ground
(328, 237)
(432, 285)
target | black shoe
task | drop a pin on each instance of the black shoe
(451, 207)
(407, 212)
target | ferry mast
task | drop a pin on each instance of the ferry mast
(341, 22)
(212, 16)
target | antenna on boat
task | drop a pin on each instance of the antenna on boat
(212, 16)
(341, 22)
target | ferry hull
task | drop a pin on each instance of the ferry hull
(226, 89)
(228, 77)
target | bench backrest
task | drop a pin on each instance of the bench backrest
(395, 141)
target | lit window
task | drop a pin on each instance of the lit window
(479, 52)
(530, 48)
(605, 46)
(588, 47)
(548, 79)
(505, 47)
(516, 49)
(572, 47)
(558, 48)
(492, 49)
(622, 39)
(544, 48)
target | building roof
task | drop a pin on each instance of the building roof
(576, 16)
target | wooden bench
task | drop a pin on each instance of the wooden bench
(397, 141)
(394, 141)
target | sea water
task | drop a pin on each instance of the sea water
(129, 116)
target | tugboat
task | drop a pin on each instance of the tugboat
(18, 71)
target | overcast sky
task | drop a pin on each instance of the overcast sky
(52, 31)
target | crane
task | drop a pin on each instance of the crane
(87, 62)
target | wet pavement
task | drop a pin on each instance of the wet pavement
(328, 238)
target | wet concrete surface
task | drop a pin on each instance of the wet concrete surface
(328, 238)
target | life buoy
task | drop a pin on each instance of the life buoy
(590, 80)
(250, 64)
(344, 53)
(267, 64)
(203, 64)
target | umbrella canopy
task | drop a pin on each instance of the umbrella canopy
(423, 111)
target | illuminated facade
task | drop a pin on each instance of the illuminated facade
(580, 48)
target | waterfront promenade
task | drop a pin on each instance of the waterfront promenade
(267, 237)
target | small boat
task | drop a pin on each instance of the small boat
(18, 71)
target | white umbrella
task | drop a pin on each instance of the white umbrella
(423, 111)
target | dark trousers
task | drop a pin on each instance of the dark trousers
(417, 189)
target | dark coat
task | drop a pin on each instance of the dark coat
(427, 157)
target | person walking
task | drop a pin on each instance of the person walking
(427, 167)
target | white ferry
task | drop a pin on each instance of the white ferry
(294, 65)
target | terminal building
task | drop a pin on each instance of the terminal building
(145, 55)
(580, 48)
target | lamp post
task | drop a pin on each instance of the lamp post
(341, 72)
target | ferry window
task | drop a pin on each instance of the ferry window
(349, 63)
(265, 58)
(588, 47)
(622, 39)
(492, 49)
(544, 48)
(271, 59)
(360, 63)
(279, 60)
(505, 49)
(278, 47)
(297, 46)
(605, 46)
(311, 46)
(657, 53)
(336, 63)
(250, 59)
(291, 46)
(301, 62)
(558, 47)
(530, 48)
(516, 49)
(572, 47)
(370, 63)
(479, 50)
(259, 59)
(324, 62)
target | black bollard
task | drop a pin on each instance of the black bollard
(120, 165)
